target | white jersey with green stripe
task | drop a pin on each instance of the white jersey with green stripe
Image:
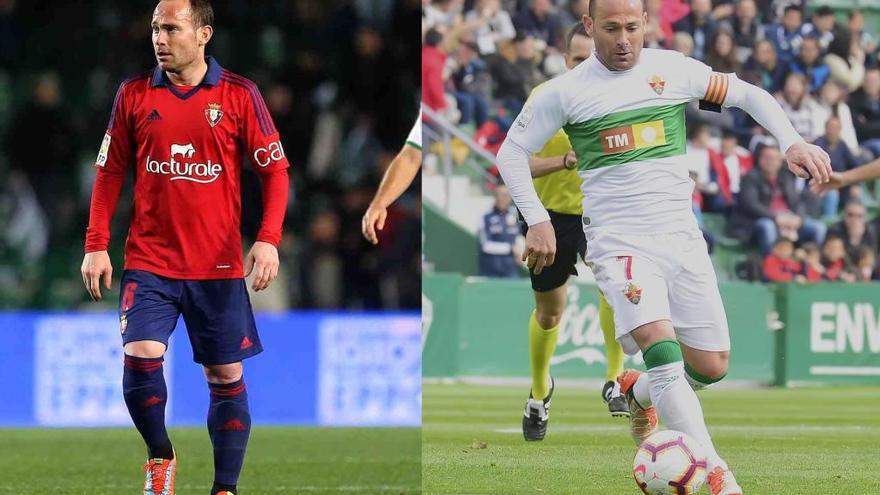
(628, 130)
(414, 138)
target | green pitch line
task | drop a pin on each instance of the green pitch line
(280, 461)
(779, 442)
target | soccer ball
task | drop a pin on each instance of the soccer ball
(670, 463)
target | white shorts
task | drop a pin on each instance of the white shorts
(653, 277)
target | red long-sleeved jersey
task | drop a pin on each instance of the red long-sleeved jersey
(187, 143)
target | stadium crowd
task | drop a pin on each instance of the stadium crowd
(482, 58)
(339, 78)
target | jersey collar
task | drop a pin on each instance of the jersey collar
(212, 78)
(594, 58)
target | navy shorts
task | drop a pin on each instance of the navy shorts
(217, 313)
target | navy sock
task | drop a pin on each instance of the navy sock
(229, 425)
(220, 487)
(143, 386)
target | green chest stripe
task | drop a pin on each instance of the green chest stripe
(629, 136)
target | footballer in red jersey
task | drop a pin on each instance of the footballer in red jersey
(183, 126)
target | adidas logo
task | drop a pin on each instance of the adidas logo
(233, 425)
(245, 343)
(154, 115)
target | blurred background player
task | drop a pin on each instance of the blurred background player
(397, 179)
(645, 247)
(558, 184)
(188, 122)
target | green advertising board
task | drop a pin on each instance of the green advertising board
(492, 337)
(831, 333)
(440, 294)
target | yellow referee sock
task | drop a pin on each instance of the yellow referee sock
(612, 348)
(542, 343)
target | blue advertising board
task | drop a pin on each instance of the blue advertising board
(317, 368)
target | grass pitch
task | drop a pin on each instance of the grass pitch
(280, 460)
(779, 442)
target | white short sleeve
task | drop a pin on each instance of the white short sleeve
(539, 119)
(414, 138)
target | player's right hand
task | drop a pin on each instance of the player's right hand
(96, 266)
(540, 248)
(374, 219)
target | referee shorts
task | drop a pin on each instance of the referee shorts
(570, 243)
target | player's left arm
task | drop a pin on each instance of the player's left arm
(263, 145)
(397, 178)
(722, 89)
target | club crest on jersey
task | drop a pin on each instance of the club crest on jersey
(657, 84)
(213, 113)
(633, 292)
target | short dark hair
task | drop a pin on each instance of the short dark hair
(765, 145)
(202, 13)
(576, 29)
(782, 240)
(433, 37)
(823, 11)
(593, 2)
(788, 8)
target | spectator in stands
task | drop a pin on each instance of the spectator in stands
(865, 40)
(866, 265)
(41, 143)
(573, 11)
(491, 25)
(845, 61)
(834, 259)
(811, 262)
(498, 232)
(801, 109)
(729, 166)
(527, 60)
(780, 265)
(841, 161)
(510, 81)
(442, 14)
(746, 27)
(809, 63)
(697, 158)
(820, 27)
(539, 21)
(722, 53)
(831, 102)
(433, 63)
(655, 35)
(471, 84)
(865, 105)
(786, 34)
(854, 229)
(682, 42)
(765, 67)
(768, 205)
(700, 25)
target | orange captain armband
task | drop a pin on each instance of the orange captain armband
(716, 92)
